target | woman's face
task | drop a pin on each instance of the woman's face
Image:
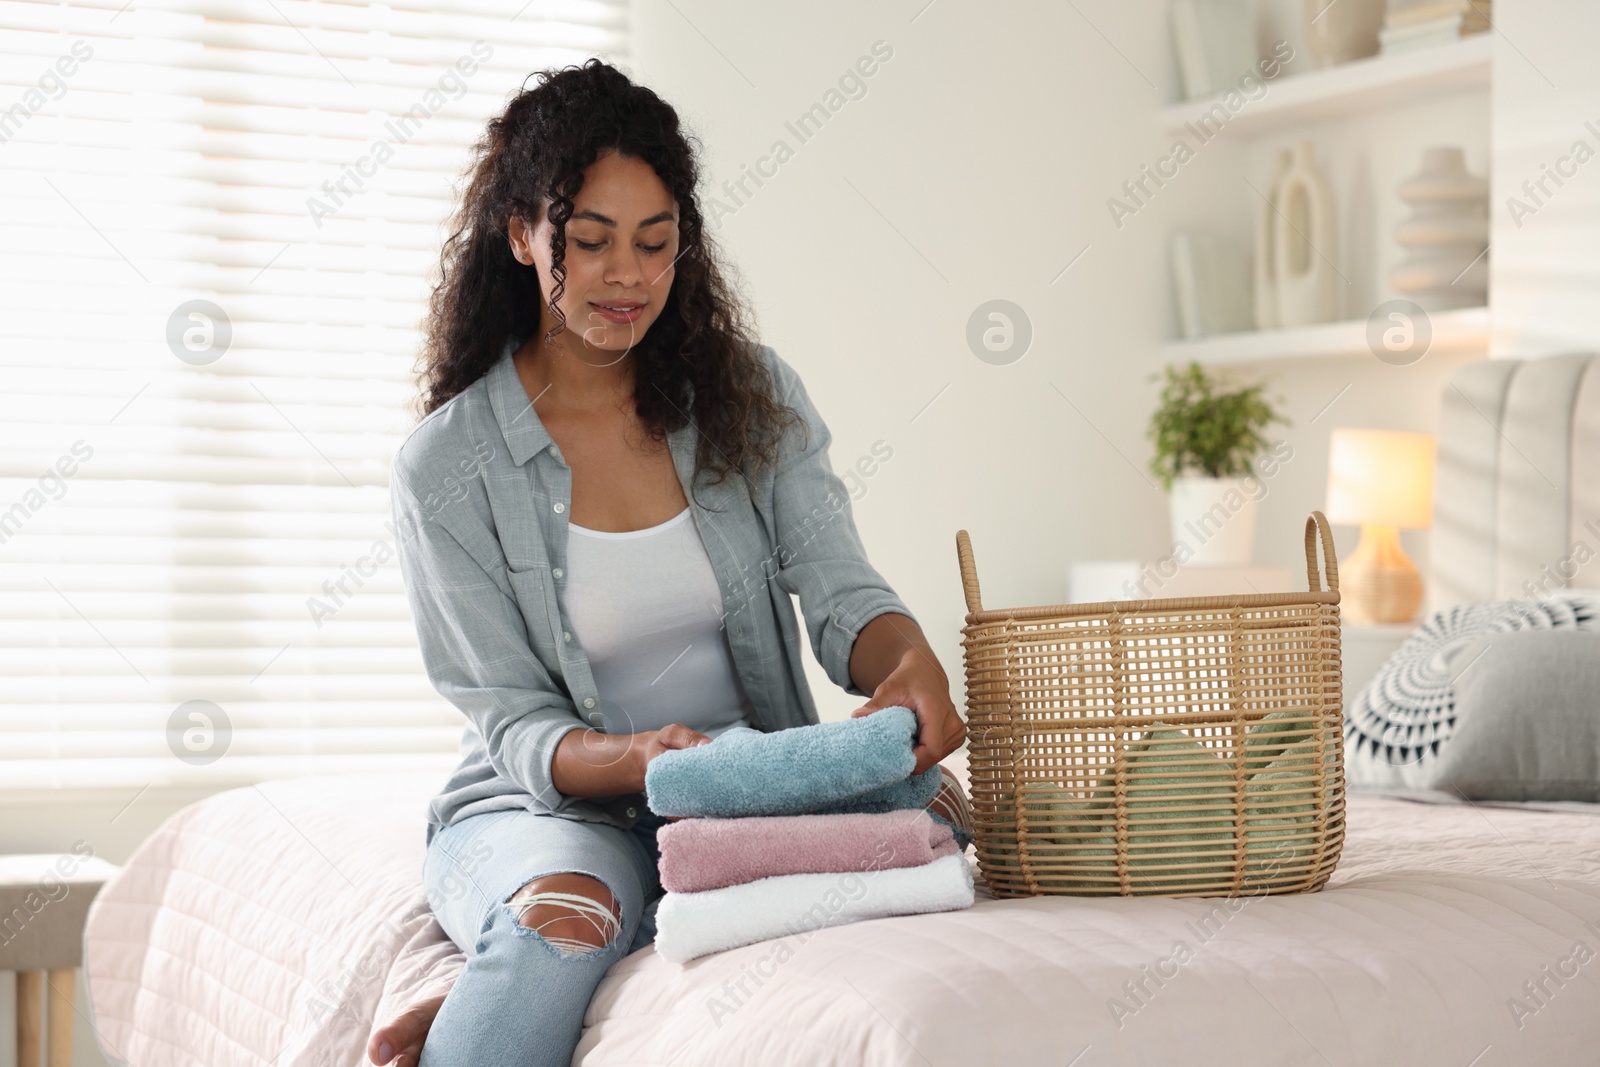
(622, 242)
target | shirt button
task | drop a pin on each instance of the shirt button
(560, 507)
(566, 635)
(588, 702)
(633, 813)
(557, 572)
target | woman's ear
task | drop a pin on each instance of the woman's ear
(521, 237)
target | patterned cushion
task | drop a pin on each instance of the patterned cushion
(1395, 728)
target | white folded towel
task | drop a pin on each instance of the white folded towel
(693, 924)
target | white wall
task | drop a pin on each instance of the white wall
(1545, 268)
(976, 167)
(992, 141)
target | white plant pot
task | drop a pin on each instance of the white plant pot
(1214, 519)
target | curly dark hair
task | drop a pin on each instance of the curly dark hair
(697, 363)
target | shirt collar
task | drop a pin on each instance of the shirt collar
(525, 435)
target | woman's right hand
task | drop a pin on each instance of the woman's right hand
(651, 743)
(593, 763)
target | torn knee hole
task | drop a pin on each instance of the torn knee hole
(574, 923)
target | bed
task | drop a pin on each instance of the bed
(273, 924)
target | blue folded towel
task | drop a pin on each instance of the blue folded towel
(917, 791)
(861, 764)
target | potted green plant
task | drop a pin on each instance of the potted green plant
(1210, 441)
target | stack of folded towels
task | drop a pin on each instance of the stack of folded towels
(799, 829)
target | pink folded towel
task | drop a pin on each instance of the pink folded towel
(703, 853)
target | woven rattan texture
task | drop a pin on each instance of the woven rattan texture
(1178, 747)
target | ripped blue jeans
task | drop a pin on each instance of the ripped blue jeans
(521, 997)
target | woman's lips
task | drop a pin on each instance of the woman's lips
(620, 316)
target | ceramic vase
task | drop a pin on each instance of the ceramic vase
(1338, 31)
(1266, 296)
(1304, 245)
(1445, 236)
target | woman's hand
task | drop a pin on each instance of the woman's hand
(593, 763)
(919, 683)
(648, 745)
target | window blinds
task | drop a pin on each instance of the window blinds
(220, 220)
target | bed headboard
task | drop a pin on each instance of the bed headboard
(1517, 491)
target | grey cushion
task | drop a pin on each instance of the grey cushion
(1400, 725)
(1527, 718)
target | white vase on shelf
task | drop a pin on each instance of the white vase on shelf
(1446, 235)
(1338, 31)
(1305, 282)
(1267, 222)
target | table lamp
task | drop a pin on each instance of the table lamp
(1382, 481)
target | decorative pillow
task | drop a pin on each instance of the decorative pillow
(1528, 710)
(1396, 729)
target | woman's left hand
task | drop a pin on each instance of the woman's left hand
(921, 685)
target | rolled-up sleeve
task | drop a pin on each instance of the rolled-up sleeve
(819, 552)
(474, 644)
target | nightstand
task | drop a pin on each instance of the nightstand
(1094, 581)
(44, 901)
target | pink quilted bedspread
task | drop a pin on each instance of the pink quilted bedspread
(272, 924)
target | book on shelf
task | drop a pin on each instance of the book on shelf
(1211, 284)
(1427, 34)
(1472, 12)
(1214, 43)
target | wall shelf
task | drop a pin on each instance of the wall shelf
(1463, 329)
(1363, 86)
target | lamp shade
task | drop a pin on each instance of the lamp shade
(1381, 478)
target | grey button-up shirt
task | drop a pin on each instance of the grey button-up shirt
(480, 494)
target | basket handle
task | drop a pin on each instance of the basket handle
(969, 572)
(1318, 523)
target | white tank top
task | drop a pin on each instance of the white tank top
(647, 609)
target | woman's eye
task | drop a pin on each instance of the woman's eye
(588, 246)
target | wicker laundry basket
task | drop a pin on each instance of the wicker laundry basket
(1178, 747)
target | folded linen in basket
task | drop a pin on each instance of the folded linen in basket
(693, 924)
(702, 854)
(861, 764)
(1181, 811)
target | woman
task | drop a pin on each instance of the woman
(603, 514)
